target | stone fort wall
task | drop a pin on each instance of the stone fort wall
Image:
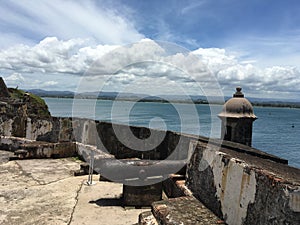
(240, 184)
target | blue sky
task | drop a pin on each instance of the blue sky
(255, 44)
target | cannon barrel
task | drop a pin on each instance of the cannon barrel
(131, 168)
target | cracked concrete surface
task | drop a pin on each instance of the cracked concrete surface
(38, 191)
(101, 204)
(44, 191)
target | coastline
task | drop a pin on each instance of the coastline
(274, 104)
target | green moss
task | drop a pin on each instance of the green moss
(16, 94)
(36, 106)
(77, 159)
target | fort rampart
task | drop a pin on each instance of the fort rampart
(240, 184)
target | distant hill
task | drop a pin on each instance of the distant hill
(43, 93)
(119, 96)
(198, 99)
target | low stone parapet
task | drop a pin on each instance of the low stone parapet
(175, 187)
(48, 150)
(183, 210)
(242, 188)
(147, 218)
(10, 143)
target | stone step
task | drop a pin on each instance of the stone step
(183, 210)
(38, 149)
(21, 153)
(5, 156)
(84, 170)
(175, 187)
(79, 173)
(147, 218)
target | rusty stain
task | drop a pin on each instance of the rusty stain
(162, 210)
(224, 179)
(160, 207)
(277, 179)
(244, 178)
(245, 181)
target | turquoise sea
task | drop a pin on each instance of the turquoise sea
(276, 131)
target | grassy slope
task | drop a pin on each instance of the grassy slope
(36, 106)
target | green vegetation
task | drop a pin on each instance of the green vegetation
(114, 96)
(277, 104)
(16, 94)
(78, 158)
(36, 106)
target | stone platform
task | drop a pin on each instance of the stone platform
(44, 191)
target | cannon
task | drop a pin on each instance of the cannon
(142, 179)
(136, 172)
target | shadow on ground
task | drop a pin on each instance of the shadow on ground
(108, 202)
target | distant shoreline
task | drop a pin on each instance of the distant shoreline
(188, 99)
(293, 105)
(204, 102)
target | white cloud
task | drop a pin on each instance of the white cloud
(145, 66)
(52, 56)
(10, 39)
(14, 79)
(282, 49)
(48, 84)
(273, 81)
(192, 6)
(67, 20)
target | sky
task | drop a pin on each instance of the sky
(154, 47)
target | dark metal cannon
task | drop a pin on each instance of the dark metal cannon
(137, 172)
(142, 179)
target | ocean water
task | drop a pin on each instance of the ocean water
(276, 131)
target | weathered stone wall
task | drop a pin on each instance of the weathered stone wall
(244, 189)
(112, 138)
(14, 121)
(240, 184)
(12, 143)
(42, 150)
(36, 128)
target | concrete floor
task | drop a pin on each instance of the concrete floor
(44, 191)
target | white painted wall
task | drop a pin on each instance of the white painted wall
(6, 127)
(39, 127)
(235, 188)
